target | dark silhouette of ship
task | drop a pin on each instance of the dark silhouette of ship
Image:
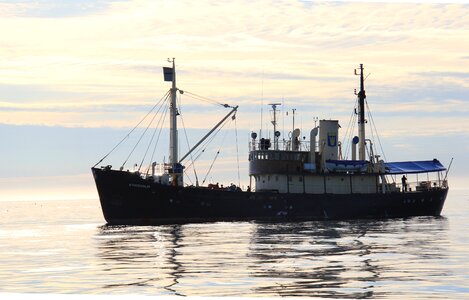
(290, 179)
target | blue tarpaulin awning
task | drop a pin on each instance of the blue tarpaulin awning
(405, 167)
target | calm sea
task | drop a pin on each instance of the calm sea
(62, 247)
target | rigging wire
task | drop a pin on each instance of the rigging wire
(374, 126)
(160, 122)
(138, 124)
(372, 131)
(216, 155)
(196, 158)
(208, 100)
(349, 132)
(368, 153)
(203, 147)
(138, 142)
(158, 138)
(188, 178)
(188, 146)
(211, 165)
(162, 111)
(208, 141)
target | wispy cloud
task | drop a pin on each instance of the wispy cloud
(107, 55)
(53, 9)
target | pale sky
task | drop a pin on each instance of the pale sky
(76, 75)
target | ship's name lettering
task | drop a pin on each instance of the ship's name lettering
(143, 186)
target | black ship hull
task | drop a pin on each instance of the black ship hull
(126, 198)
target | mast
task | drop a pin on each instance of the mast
(293, 128)
(274, 122)
(361, 117)
(173, 142)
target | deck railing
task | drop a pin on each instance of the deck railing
(284, 145)
(418, 186)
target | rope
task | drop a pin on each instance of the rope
(128, 134)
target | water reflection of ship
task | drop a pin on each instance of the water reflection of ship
(138, 249)
(313, 257)
(343, 259)
(320, 259)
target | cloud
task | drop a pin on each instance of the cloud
(53, 9)
(107, 56)
(458, 75)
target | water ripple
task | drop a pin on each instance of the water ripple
(71, 252)
(356, 259)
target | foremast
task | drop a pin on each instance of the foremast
(174, 168)
(173, 143)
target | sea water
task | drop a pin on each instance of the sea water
(64, 247)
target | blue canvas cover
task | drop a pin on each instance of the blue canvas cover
(406, 167)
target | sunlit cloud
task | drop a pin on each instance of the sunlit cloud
(296, 50)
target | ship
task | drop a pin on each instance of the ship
(290, 180)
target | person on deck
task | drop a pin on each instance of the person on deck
(404, 183)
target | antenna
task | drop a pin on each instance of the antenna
(449, 167)
(293, 116)
(283, 119)
(315, 119)
(274, 122)
(262, 104)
